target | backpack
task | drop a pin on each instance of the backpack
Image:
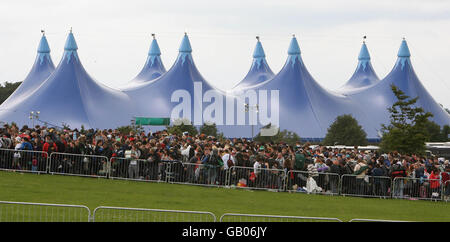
(397, 171)
(229, 161)
(300, 160)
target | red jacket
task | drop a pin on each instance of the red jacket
(434, 181)
(46, 147)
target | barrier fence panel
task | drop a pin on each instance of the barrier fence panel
(117, 214)
(374, 220)
(261, 178)
(42, 212)
(23, 160)
(417, 189)
(197, 174)
(368, 186)
(78, 165)
(306, 182)
(447, 191)
(137, 169)
(236, 217)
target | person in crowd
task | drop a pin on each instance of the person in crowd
(445, 179)
(228, 159)
(435, 183)
(360, 171)
(133, 156)
(379, 179)
(49, 146)
(258, 163)
(398, 173)
(212, 163)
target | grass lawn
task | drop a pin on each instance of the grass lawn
(94, 192)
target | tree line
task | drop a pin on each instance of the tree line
(7, 89)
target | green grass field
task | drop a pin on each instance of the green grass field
(94, 192)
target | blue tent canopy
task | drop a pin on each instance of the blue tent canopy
(364, 75)
(304, 106)
(152, 69)
(379, 97)
(42, 68)
(154, 98)
(259, 70)
(70, 96)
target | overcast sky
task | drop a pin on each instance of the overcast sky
(113, 37)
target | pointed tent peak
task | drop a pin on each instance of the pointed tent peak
(259, 51)
(185, 44)
(294, 49)
(43, 44)
(71, 44)
(154, 48)
(404, 50)
(364, 53)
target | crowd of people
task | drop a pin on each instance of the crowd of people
(299, 166)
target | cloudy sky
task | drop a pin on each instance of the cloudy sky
(114, 36)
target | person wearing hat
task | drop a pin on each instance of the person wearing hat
(360, 170)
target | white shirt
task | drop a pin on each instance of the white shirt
(18, 147)
(134, 160)
(256, 167)
(185, 151)
(225, 159)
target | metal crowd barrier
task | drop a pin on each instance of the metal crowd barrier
(327, 183)
(78, 165)
(117, 214)
(447, 191)
(197, 174)
(261, 178)
(46, 212)
(236, 217)
(417, 189)
(42, 212)
(369, 186)
(375, 220)
(23, 160)
(137, 169)
(204, 175)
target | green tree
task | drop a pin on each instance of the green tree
(345, 130)
(127, 129)
(407, 131)
(208, 129)
(445, 132)
(7, 89)
(434, 132)
(285, 136)
(180, 128)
